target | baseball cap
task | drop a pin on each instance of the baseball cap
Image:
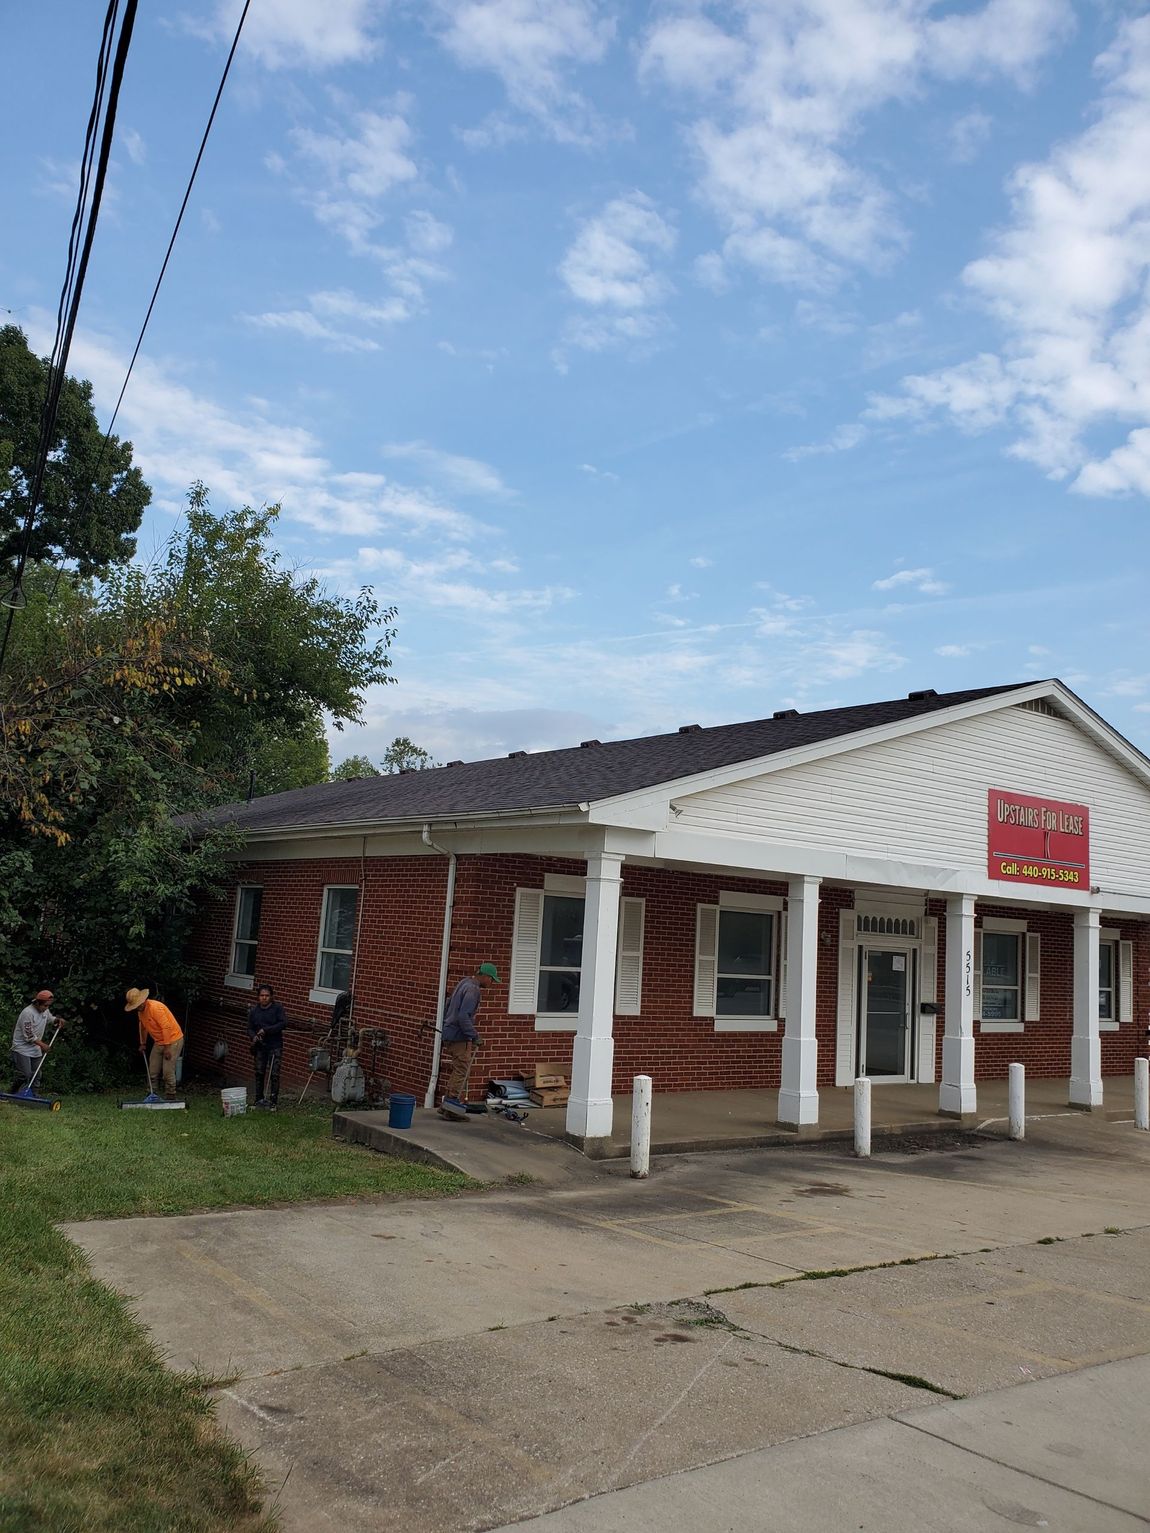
(42, 995)
(491, 971)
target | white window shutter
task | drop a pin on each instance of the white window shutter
(845, 1021)
(523, 991)
(706, 959)
(927, 991)
(1125, 982)
(1033, 977)
(629, 959)
(781, 1003)
(977, 976)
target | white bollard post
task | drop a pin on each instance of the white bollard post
(1142, 1093)
(1017, 1107)
(862, 1117)
(641, 1126)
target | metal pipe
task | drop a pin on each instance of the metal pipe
(444, 957)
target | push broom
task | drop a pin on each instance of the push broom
(152, 1100)
(26, 1096)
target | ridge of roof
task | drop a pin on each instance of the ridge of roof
(571, 775)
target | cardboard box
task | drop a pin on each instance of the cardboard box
(553, 1096)
(549, 1074)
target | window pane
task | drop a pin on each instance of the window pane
(335, 971)
(339, 927)
(248, 915)
(1106, 964)
(559, 990)
(743, 998)
(999, 1005)
(244, 961)
(744, 942)
(1106, 1005)
(562, 940)
(999, 959)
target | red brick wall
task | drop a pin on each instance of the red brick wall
(398, 963)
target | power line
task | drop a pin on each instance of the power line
(79, 254)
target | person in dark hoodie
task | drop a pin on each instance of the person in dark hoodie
(266, 1023)
(461, 1039)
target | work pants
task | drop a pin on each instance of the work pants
(267, 1057)
(163, 1061)
(458, 1056)
(25, 1067)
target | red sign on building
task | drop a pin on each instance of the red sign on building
(1037, 840)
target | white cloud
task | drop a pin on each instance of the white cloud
(609, 263)
(841, 439)
(923, 580)
(598, 473)
(134, 146)
(315, 323)
(610, 268)
(700, 562)
(467, 476)
(285, 34)
(367, 164)
(779, 93)
(531, 45)
(954, 651)
(1067, 282)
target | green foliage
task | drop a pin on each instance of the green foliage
(352, 767)
(132, 700)
(92, 498)
(403, 754)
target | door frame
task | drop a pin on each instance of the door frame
(911, 947)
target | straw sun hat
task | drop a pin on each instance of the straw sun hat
(135, 999)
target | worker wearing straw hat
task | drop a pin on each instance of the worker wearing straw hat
(157, 1022)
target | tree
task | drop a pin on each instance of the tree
(351, 768)
(92, 497)
(131, 700)
(402, 755)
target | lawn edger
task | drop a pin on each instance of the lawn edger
(27, 1095)
(152, 1100)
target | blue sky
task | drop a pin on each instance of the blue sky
(662, 363)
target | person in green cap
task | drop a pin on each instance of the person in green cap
(460, 1038)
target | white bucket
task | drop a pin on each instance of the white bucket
(234, 1101)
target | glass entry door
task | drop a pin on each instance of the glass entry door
(885, 1013)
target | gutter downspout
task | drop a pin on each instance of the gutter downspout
(444, 954)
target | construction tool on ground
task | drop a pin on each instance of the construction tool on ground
(26, 1096)
(156, 1103)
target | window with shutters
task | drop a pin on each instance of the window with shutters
(547, 955)
(1107, 981)
(1115, 980)
(245, 937)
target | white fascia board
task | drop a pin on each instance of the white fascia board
(440, 824)
(769, 860)
(651, 808)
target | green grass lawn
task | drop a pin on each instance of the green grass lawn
(96, 1435)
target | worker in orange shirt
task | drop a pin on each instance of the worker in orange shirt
(158, 1023)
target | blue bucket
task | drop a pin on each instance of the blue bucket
(399, 1110)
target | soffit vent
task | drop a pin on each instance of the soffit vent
(1040, 705)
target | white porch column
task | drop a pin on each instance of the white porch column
(799, 1095)
(589, 1107)
(1085, 1045)
(956, 1093)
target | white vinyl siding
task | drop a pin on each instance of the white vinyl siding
(546, 956)
(922, 798)
(245, 937)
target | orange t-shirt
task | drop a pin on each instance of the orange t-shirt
(158, 1022)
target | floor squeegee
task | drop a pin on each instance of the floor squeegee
(26, 1096)
(152, 1100)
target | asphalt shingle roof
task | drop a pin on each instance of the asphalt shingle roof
(562, 778)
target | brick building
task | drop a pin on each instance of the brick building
(917, 890)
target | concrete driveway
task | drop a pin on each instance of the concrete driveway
(465, 1364)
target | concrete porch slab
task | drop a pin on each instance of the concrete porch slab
(487, 1148)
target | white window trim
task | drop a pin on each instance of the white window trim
(241, 981)
(1001, 1027)
(760, 904)
(319, 994)
(565, 883)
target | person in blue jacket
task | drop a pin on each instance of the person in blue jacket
(266, 1023)
(460, 1037)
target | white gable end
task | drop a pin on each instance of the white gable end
(922, 798)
